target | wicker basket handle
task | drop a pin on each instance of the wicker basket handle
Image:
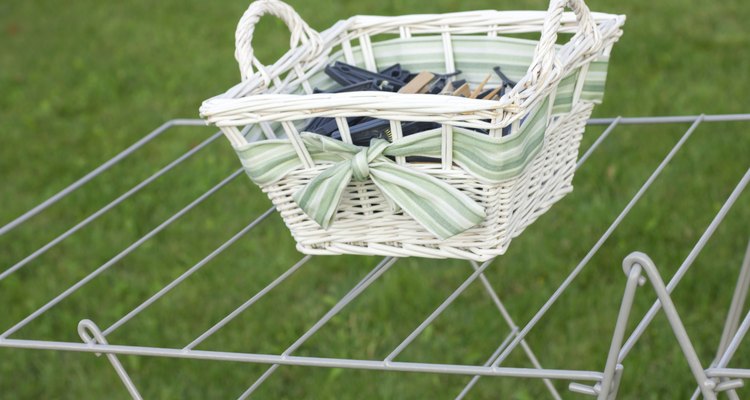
(301, 33)
(548, 65)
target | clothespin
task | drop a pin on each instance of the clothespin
(458, 83)
(366, 130)
(418, 84)
(448, 89)
(327, 126)
(438, 87)
(491, 93)
(346, 74)
(479, 88)
(396, 72)
(463, 90)
(504, 77)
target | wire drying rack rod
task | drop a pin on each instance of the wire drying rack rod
(719, 377)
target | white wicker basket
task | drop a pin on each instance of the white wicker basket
(560, 83)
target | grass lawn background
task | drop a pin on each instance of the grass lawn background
(81, 80)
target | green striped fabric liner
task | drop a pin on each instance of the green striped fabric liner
(440, 208)
(564, 93)
(593, 86)
(474, 55)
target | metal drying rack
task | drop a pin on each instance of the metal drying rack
(639, 268)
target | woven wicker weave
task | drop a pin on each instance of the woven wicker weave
(276, 101)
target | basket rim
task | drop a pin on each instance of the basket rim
(466, 22)
(531, 20)
(363, 103)
(256, 100)
(233, 108)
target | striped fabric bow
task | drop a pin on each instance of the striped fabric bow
(439, 207)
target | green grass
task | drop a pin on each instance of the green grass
(81, 80)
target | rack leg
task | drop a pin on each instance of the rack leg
(706, 385)
(91, 334)
(616, 381)
(733, 316)
(738, 303)
(633, 265)
(514, 328)
(732, 323)
(607, 388)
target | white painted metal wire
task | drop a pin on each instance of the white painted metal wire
(710, 377)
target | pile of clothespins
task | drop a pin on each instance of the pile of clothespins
(397, 79)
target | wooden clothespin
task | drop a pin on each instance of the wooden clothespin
(463, 91)
(491, 95)
(479, 88)
(448, 89)
(418, 84)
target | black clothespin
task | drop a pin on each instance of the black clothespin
(506, 130)
(341, 77)
(448, 75)
(396, 72)
(320, 125)
(365, 130)
(507, 81)
(346, 74)
(438, 86)
(328, 126)
(458, 83)
(441, 80)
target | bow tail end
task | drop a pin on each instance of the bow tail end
(321, 197)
